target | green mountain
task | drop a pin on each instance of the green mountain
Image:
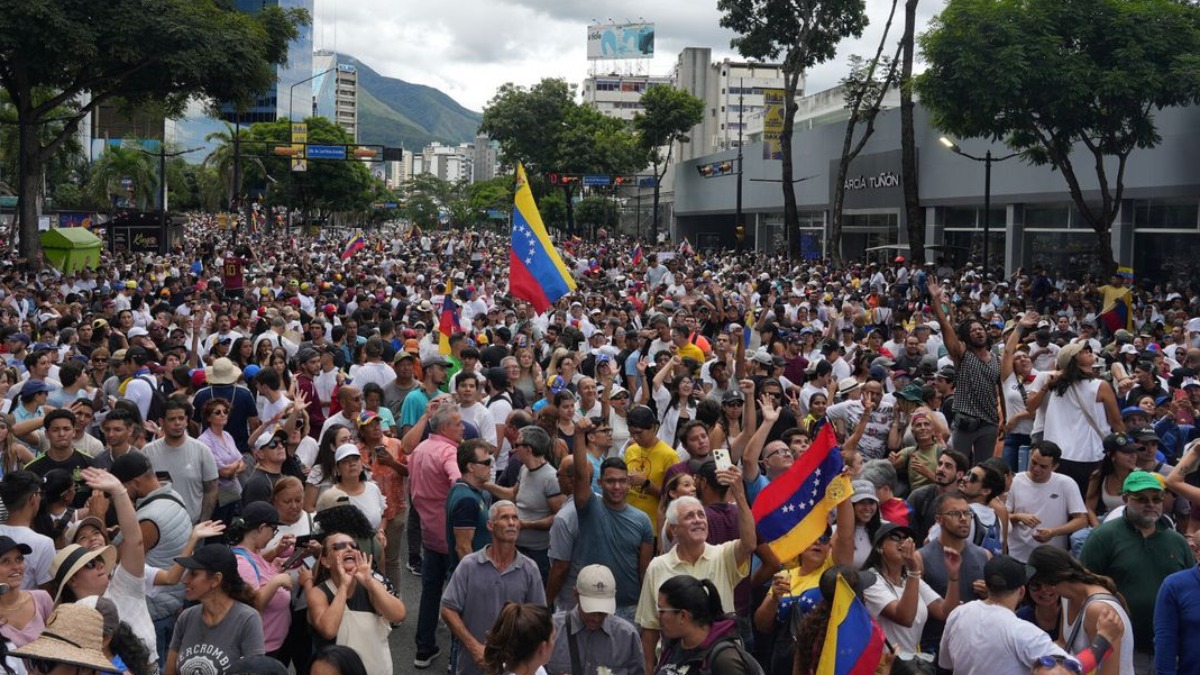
(396, 113)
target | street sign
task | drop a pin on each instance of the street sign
(647, 181)
(594, 180)
(299, 139)
(326, 152)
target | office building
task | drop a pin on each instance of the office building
(335, 91)
(291, 95)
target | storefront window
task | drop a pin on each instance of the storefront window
(1157, 214)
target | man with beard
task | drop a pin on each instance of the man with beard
(951, 465)
(609, 528)
(1138, 550)
(977, 385)
(310, 367)
(188, 462)
(954, 516)
(434, 373)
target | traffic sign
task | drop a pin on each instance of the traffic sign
(326, 152)
(594, 180)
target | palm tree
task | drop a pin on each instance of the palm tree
(120, 162)
(223, 160)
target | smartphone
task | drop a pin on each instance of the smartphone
(296, 559)
(163, 476)
(721, 457)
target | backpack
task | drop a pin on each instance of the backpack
(987, 537)
(752, 666)
(158, 399)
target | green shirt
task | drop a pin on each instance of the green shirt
(1138, 565)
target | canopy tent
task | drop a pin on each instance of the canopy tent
(70, 249)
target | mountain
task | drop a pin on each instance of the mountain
(396, 113)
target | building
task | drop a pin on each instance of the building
(1032, 218)
(618, 95)
(486, 160)
(294, 84)
(335, 91)
(451, 163)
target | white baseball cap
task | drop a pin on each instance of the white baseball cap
(346, 450)
(597, 590)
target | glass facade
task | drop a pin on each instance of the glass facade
(293, 88)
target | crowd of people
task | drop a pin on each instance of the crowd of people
(227, 459)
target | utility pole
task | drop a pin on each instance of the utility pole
(741, 108)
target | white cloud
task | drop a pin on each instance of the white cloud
(468, 48)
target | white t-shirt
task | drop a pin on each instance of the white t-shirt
(881, 594)
(481, 417)
(1052, 502)
(985, 639)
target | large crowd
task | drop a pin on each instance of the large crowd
(227, 458)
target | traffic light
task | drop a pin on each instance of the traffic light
(393, 154)
(287, 150)
(553, 179)
(365, 153)
(567, 179)
(706, 170)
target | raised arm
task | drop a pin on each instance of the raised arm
(759, 439)
(133, 555)
(954, 346)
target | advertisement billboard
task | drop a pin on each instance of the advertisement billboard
(772, 123)
(620, 41)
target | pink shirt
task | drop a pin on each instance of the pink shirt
(433, 468)
(277, 615)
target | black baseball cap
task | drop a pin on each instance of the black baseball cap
(260, 513)
(211, 558)
(1005, 573)
(130, 465)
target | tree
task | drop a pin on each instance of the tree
(670, 114)
(124, 171)
(597, 211)
(496, 194)
(805, 34)
(909, 176)
(222, 158)
(544, 128)
(864, 93)
(87, 53)
(1080, 77)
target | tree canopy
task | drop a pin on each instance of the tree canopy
(127, 50)
(1076, 75)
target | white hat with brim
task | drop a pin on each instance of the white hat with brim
(74, 635)
(224, 371)
(1069, 352)
(597, 589)
(72, 558)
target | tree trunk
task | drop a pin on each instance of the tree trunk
(791, 219)
(908, 144)
(839, 195)
(654, 225)
(570, 210)
(29, 186)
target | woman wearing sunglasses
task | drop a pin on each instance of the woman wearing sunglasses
(349, 606)
(228, 458)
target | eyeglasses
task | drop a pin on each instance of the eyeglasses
(1067, 662)
(220, 411)
(482, 462)
(782, 451)
(1147, 499)
(341, 545)
(961, 515)
(602, 430)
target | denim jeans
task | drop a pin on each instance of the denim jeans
(413, 525)
(433, 578)
(1012, 451)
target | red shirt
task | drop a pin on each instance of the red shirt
(232, 273)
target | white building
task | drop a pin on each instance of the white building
(619, 95)
(449, 162)
(335, 91)
(486, 160)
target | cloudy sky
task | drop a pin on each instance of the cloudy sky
(468, 48)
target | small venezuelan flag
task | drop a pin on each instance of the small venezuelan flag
(793, 510)
(853, 641)
(448, 319)
(354, 245)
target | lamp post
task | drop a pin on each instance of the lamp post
(162, 155)
(292, 89)
(741, 108)
(987, 160)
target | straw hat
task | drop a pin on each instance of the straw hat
(224, 372)
(74, 635)
(72, 558)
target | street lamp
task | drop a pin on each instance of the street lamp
(987, 160)
(162, 155)
(292, 89)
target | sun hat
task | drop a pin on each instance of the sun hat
(1069, 352)
(72, 558)
(847, 386)
(224, 371)
(74, 635)
(597, 590)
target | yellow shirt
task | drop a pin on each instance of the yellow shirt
(691, 351)
(717, 563)
(653, 463)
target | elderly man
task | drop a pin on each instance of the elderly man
(1138, 551)
(433, 470)
(591, 636)
(484, 582)
(725, 565)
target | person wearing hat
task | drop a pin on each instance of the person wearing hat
(72, 642)
(270, 458)
(222, 378)
(252, 532)
(25, 610)
(224, 626)
(1080, 410)
(1138, 550)
(987, 637)
(590, 636)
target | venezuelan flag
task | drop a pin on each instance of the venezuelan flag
(448, 319)
(354, 245)
(637, 254)
(793, 511)
(853, 641)
(538, 274)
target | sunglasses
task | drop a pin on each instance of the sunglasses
(482, 462)
(341, 545)
(94, 564)
(220, 411)
(971, 478)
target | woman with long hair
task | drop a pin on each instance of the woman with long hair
(223, 620)
(320, 475)
(121, 645)
(729, 425)
(531, 381)
(520, 642)
(1043, 608)
(693, 624)
(252, 533)
(55, 514)
(676, 400)
(228, 458)
(24, 611)
(349, 606)
(1085, 593)
(1016, 376)
(242, 352)
(899, 599)
(1081, 410)
(867, 520)
(13, 455)
(564, 428)
(279, 360)
(1104, 489)
(350, 476)
(338, 660)
(262, 353)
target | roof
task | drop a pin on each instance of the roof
(70, 237)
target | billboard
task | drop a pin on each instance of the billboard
(620, 41)
(773, 103)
